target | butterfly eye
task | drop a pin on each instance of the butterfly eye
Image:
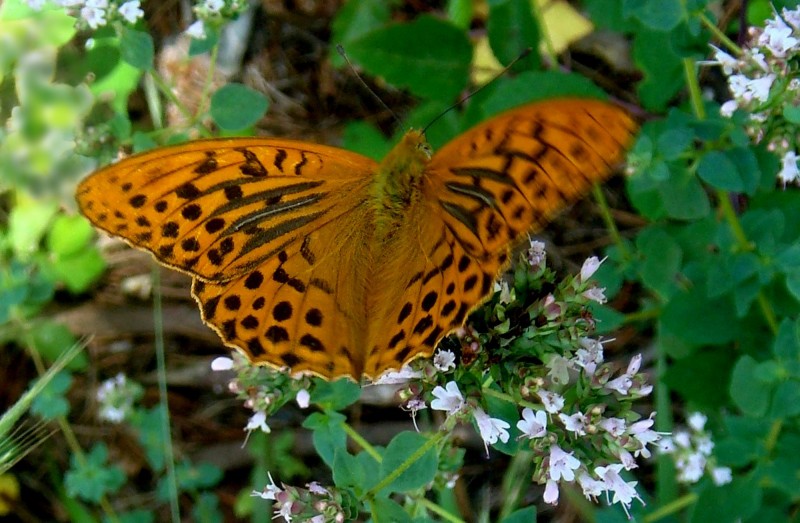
(426, 149)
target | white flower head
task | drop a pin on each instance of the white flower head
(789, 172)
(394, 377)
(697, 420)
(131, 11)
(614, 426)
(270, 490)
(553, 402)
(624, 492)
(222, 363)
(448, 398)
(721, 476)
(214, 6)
(728, 108)
(551, 492)
(536, 254)
(533, 424)
(258, 421)
(759, 87)
(589, 267)
(444, 360)
(575, 423)
(94, 16)
(590, 356)
(197, 30)
(728, 62)
(792, 17)
(316, 488)
(691, 467)
(36, 5)
(562, 464)
(491, 429)
(591, 487)
(597, 294)
(303, 398)
(777, 37)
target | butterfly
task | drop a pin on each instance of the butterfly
(322, 261)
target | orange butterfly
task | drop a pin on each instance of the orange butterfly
(323, 261)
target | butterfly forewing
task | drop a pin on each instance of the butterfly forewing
(483, 191)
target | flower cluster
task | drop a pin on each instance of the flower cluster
(263, 390)
(691, 450)
(212, 13)
(116, 397)
(764, 83)
(314, 503)
(96, 13)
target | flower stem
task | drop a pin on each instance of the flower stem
(385, 482)
(361, 442)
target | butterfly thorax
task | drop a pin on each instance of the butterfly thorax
(397, 182)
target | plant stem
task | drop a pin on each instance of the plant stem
(385, 482)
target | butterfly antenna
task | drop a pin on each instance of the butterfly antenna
(522, 55)
(340, 50)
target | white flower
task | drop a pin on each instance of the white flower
(562, 464)
(681, 439)
(621, 384)
(393, 377)
(536, 254)
(691, 467)
(697, 421)
(597, 294)
(666, 445)
(590, 486)
(738, 85)
(449, 398)
(759, 87)
(793, 17)
(627, 459)
(95, 17)
(214, 5)
(303, 398)
(197, 30)
(559, 369)
(551, 492)
(721, 476)
(758, 58)
(222, 363)
(491, 429)
(634, 365)
(97, 4)
(642, 433)
(789, 172)
(316, 488)
(575, 423)
(704, 445)
(624, 492)
(444, 360)
(728, 62)
(270, 490)
(590, 356)
(614, 426)
(36, 5)
(553, 403)
(533, 424)
(728, 108)
(258, 421)
(589, 267)
(777, 37)
(131, 11)
(413, 405)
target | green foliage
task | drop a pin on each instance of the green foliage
(92, 478)
(235, 107)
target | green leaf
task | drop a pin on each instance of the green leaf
(401, 449)
(93, 479)
(523, 515)
(348, 471)
(749, 393)
(512, 29)
(787, 341)
(52, 339)
(735, 501)
(148, 423)
(80, 270)
(654, 53)
(51, 402)
(662, 260)
(364, 138)
(27, 223)
(680, 316)
(683, 196)
(136, 48)
(429, 56)
(353, 20)
(206, 509)
(328, 436)
(702, 377)
(791, 113)
(235, 107)
(674, 141)
(658, 15)
(69, 234)
(385, 510)
(719, 171)
(335, 395)
(786, 401)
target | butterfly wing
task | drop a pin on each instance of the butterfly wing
(482, 192)
(275, 233)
